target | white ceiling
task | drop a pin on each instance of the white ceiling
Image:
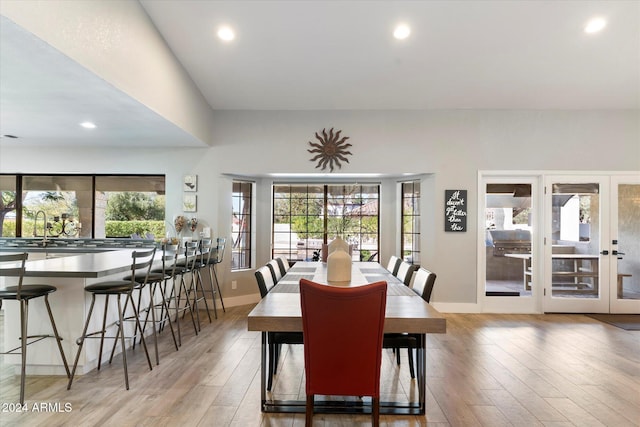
(316, 55)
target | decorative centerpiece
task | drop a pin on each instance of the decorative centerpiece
(193, 224)
(338, 261)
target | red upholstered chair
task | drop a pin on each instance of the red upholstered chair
(342, 330)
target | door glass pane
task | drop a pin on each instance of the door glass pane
(508, 219)
(575, 240)
(628, 280)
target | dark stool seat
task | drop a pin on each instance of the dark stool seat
(111, 287)
(13, 265)
(27, 291)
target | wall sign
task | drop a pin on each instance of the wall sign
(455, 210)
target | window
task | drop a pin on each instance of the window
(306, 216)
(241, 225)
(8, 203)
(82, 206)
(410, 240)
(127, 205)
(64, 201)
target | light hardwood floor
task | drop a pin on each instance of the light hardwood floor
(488, 370)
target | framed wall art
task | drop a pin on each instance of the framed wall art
(190, 183)
(455, 210)
(189, 202)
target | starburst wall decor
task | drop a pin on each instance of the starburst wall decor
(330, 151)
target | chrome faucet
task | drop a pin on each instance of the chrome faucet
(35, 226)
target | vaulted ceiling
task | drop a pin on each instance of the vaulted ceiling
(338, 55)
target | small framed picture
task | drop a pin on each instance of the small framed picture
(190, 183)
(189, 202)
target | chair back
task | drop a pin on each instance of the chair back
(265, 280)
(284, 263)
(275, 270)
(169, 259)
(405, 272)
(190, 255)
(343, 329)
(13, 265)
(141, 265)
(206, 249)
(423, 283)
(220, 244)
(394, 264)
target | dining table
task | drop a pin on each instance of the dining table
(406, 312)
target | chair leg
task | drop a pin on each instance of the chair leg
(104, 328)
(375, 411)
(187, 304)
(164, 313)
(57, 336)
(173, 298)
(24, 316)
(124, 352)
(80, 341)
(411, 370)
(213, 292)
(139, 328)
(309, 411)
(194, 307)
(151, 287)
(204, 297)
(215, 275)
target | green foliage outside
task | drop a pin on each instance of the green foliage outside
(131, 206)
(127, 228)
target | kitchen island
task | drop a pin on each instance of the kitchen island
(70, 304)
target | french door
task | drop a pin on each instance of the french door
(592, 244)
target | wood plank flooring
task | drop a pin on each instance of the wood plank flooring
(488, 370)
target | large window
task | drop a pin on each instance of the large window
(411, 222)
(241, 225)
(82, 206)
(130, 205)
(306, 216)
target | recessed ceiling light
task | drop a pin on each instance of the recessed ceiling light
(595, 25)
(88, 125)
(226, 34)
(401, 32)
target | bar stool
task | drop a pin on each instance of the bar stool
(151, 280)
(141, 260)
(188, 266)
(216, 258)
(14, 266)
(197, 285)
(171, 270)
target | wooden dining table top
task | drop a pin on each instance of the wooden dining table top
(406, 311)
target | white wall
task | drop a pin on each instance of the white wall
(449, 146)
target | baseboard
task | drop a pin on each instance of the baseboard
(456, 307)
(237, 301)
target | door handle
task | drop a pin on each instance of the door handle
(617, 253)
(604, 253)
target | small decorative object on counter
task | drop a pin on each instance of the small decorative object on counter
(193, 224)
